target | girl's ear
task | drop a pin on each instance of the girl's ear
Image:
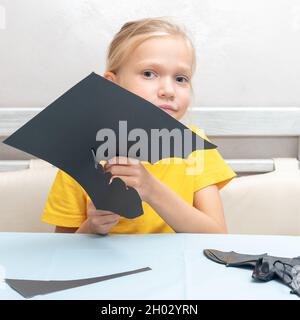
(110, 76)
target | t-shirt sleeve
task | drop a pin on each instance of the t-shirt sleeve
(66, 203)
(210, 167)
(215, 171)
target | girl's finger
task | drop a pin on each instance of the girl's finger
(121, 170)
(101, 213)
(91, 205)
(122, 160)
(104, 220)
(128, 180)
(110, 224)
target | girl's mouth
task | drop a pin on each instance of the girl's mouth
(167, 108)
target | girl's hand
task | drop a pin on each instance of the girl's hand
(98, 221)
(133, 173)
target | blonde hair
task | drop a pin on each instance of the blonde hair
(133, 33)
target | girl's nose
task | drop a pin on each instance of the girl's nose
(166, 89)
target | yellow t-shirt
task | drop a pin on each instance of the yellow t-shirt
(68, 202)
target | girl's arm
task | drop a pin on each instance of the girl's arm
(206, 216)
(97, 222)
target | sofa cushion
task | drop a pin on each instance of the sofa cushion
(265, 203)
(23, 194)
(259, 204)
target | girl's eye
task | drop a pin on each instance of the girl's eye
(182, 79)
(148, 74)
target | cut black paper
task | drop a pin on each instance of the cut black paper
(64, 134)
(31, 288)
(265, 267)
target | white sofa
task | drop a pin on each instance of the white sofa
(23, 194)
(266, 203)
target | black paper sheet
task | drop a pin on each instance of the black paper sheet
(65, 134)
(265, 267)
(31, 288)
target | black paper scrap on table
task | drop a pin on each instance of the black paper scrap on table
(31, 288)
(265, 267)
(65, 135)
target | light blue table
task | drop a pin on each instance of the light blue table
(179, 269)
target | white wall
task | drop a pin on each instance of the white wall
(248, 50)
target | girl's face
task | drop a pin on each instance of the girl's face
(159, 70)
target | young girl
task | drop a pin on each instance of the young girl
(154, 59)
